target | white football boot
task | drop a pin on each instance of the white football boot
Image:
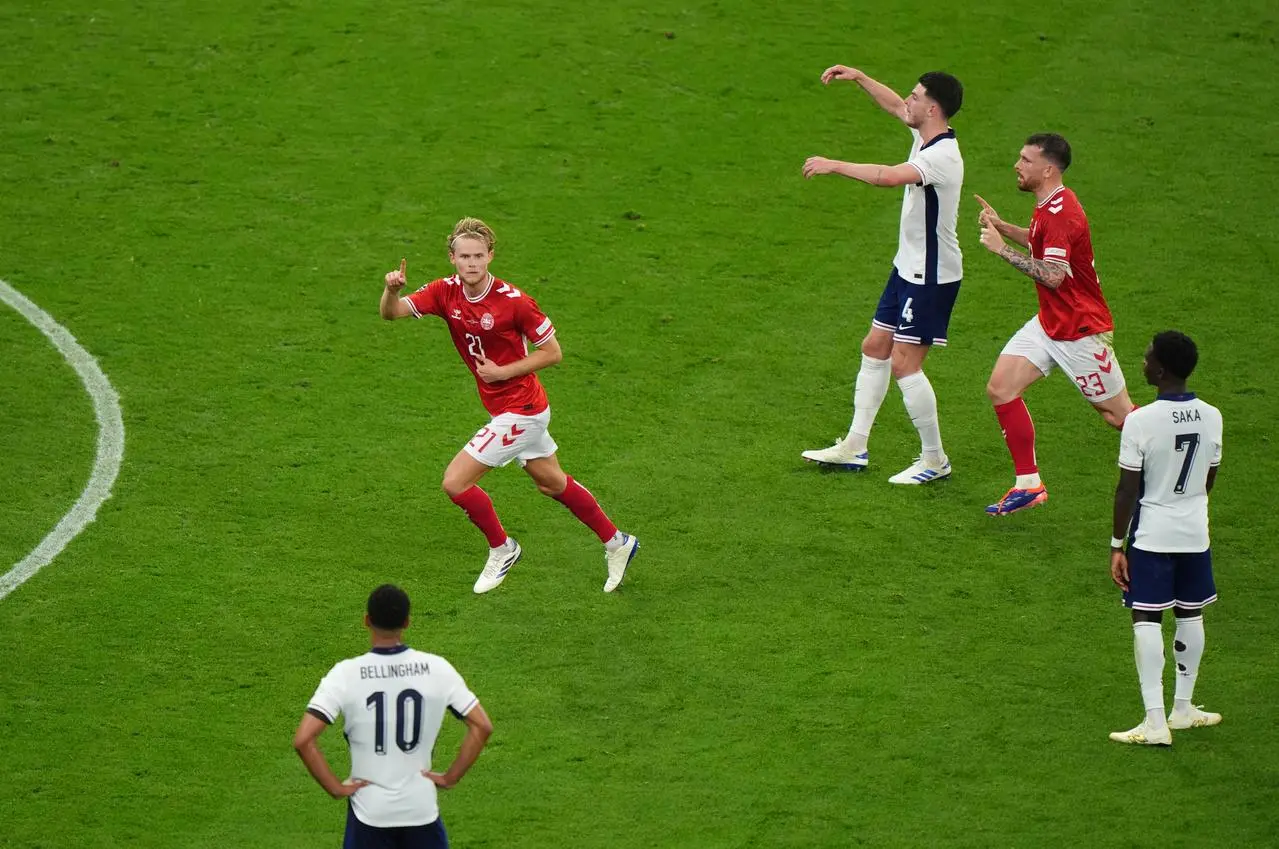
(1143, 735)
(1193, 718)
(840, 455)
(617, 560)
(922, 472)
(500, 561)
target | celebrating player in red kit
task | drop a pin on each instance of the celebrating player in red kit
(1073, 330)
(491, 323)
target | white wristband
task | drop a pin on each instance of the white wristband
(1116, 542)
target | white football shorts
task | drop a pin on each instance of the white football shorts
(510, 436)
(1089, 361)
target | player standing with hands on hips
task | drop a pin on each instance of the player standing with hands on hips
(392, 699)
(1073, 329)
(914, 309)
(1168, 459)
(491, 323)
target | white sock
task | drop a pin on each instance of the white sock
(871, 388)
(1148, 651)
(615, 541)
(1188, 649)
(505, 545)
(921, 404)
(1028, 481)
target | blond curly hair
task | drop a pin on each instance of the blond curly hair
(475, 229)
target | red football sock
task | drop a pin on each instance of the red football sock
(479, 509)
(583, 505)
(1019, 433)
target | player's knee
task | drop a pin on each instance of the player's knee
(550, 490)
(877, 348)
(904, 367)
(997, 393)
(1114, 419)
(452, 487)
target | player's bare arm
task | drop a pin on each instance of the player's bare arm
(904, 174)
(548, 354)
(1043, 272)
(478, 729)
(391, 306)
(309, 730)
(1127, 492)
(1020, 235)
(887, 99)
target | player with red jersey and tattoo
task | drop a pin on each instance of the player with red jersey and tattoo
(491, 323)
(1073, 330)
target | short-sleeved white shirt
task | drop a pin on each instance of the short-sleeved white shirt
(1172, 441)
(393, 701)
(927, 241)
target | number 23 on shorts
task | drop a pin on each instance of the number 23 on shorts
(1091, 384)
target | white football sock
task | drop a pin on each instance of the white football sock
(1148, 651)
(1028, 481)
(615, 541)
(921, 404)
(871, 388)
(1188, 649)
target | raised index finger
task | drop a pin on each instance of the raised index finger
(404, 264)
(981, 200)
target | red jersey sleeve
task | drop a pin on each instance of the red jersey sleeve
(429, 300)
(532, 322)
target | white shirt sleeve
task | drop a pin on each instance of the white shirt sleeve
(461, 700)
(327, 700)
(937, 165)
(1216, 446)
(1130, 453)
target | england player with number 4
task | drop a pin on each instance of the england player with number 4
(392, 700)
(1168, 458)
(914, 310)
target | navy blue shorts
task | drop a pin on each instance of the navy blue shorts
(917, 314)
(362, 836)
(1158, 581)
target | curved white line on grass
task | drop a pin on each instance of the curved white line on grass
(106, 406)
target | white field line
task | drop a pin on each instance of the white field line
(106, 465)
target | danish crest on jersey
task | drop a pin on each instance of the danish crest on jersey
(486, 321)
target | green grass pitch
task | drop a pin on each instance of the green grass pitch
(207, 195)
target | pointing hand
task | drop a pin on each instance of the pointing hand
(395, 280)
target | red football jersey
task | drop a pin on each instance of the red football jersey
(494, 326)
(1059, 233)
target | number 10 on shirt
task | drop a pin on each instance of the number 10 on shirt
(377, 703)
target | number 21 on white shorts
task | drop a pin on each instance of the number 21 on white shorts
(512, 437)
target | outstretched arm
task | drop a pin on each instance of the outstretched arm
(876, 175)
(887, 99)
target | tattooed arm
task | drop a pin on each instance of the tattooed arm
(1050, 274)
